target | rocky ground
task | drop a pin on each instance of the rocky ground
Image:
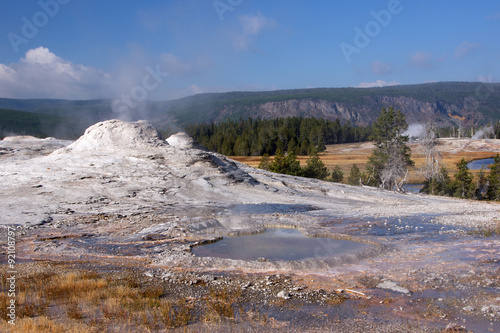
(120, 196)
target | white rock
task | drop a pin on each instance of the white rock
(283, 294)
(390, 285)
(181, 140)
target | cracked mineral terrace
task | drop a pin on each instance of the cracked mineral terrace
(121, 196)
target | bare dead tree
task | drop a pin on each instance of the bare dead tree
(394, 171)
(431, 170)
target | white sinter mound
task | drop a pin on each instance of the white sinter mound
(118, 167)
(115, 135)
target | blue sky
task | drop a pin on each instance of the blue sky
(160, 50)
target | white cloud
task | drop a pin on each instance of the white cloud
(178, 66)
(6, 73)
(485, 79)
(466, 48)
(378, 83)
(42, 74)
(174, 64)
(241, 43)
(381, 68)
(40, 55)
(422, 60)
(254, 24)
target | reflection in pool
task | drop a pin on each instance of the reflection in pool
(278, 244)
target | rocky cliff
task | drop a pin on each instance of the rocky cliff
(416, 111)
(448, 104)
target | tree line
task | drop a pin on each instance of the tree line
(387, 166)
(390, 161)
(462, 185)
(490, 131)
(293, 135)
(14, 122)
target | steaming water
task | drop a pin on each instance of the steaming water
(477, 164)
(278, 244)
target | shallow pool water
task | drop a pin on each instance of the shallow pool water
(278, 244)
(477, 164)
(413, 188)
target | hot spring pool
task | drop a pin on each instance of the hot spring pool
(278, 245)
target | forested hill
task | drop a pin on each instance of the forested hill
(448, 104)
(13, 122)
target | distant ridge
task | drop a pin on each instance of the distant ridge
(447, 103)
(444, 102)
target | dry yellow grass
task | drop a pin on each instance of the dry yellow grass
(345, 155)
(72, 300)
(55, 299)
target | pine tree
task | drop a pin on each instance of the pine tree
(285, 164)
(463, 184)
(392, 157)
(354, 176)
(264, 162)
(482, 182)
(493, 189)
(337, 175)
(315, 168)
(292, 146)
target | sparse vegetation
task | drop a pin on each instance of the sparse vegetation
(220, 304)
(491, 230)
(368, 281)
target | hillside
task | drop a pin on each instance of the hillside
(448, 104)
(14, 122)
